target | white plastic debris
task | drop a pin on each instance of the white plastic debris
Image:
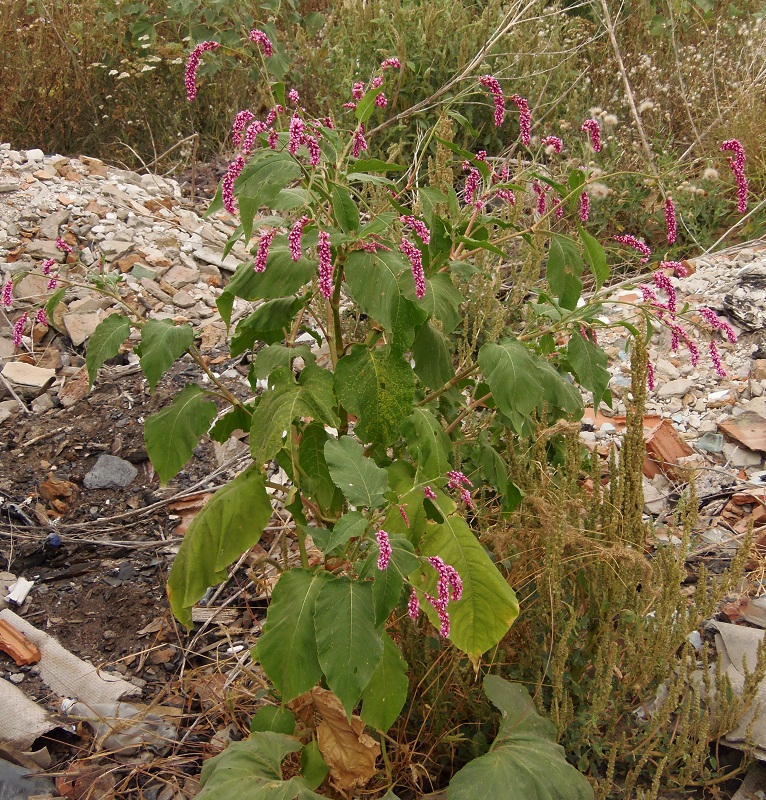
(19, 591)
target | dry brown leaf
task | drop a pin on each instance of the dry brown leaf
(349, 752)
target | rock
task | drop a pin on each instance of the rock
(180, 276)
(75, 388)
(80, 327)
(675, 388)
(110, 472)
(747, 301)
(182, 299)
(44, 248)
(42, 403)
(8, 409)
(49, 227)
(116, 247)
(741, 457)
(26, 375)
(35, 155)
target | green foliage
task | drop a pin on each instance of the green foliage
(105, 343)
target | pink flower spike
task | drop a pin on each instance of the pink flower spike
(8, 294)
(295, 236)
(391, 63)
(293, 96)
(456, 479)
(328, 123)
(360, 143)
(413, 606)
(41, 317)
(429, 493)
(676, 266)
(636, 244)
(376, 82)
(18, 329)
(192, 65)
(357, 90)
(715, 357)
(492, 85)
(455, 582)
(227, 185)
(384, 547)
(350, 106)
(47, 264)
(381, 101)
(325, 264)
(313, 147)
(241, 121)
(296, 134)
(737, 164)
(670, 220)
(662, 282)
(584, 207)
(472, 183)
(251, 134)
(465, 496)
(64, 246)
(418, 226)
(525, 119)
(403, 514)
(416, 262)
(594, 131)
(273, 139)
(718, 324)
(553, 142)
(262, 254)
(541, 202)
(260, 38)
(51, 284)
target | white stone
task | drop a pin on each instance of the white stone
(676, 388)
(27, 375)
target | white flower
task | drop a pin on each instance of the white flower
(123, 75)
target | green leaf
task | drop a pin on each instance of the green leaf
(427, 443)
(376, 282)
(431, 353)
(376, 165)
(273, 356)
(360, 479)
(268, 172)
(576, 181)
(349, 645)
(273, 718)
(313, 767)
(317, 484)
(558, 392)
(366, 105)
(53, 301)
(287, 648)
(378, 388)
(386, 693)
(162, 342)
(290, 199)
(344, 209)
(350, 526)
(386, 590)
(588, 363)
(267, 324)
(172, 434)
(595, 256)
(512, 375)
(230, 523)
(488, 606)
(442, 301)
(105, 343)
(236, 418)
(563, 271)
(524, 761)
(252, 769)
(431, 198)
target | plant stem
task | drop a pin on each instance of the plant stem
(467, 410)
(464, 373)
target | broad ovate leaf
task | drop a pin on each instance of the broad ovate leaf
(162, 342)
(229, 524)
(386, 693)
(105, 343)
(360, 479)
(524, 761)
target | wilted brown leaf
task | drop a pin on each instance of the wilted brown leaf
(349, 752)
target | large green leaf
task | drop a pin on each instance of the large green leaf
(316, 483)
(350, 526)
(442, 301)
(595, 255)
(252, 769)
(287, 648)
(563, 271)
(427, 443)
(431, 353)
(269, 358)
(229, 524)
(268, 172)
(267, 324)
(344, 209)
(488, 606)
(360, 479)
(378, 388)
(588, 363)
(558, 392)
(512, 375)
(172, 434)
(524, 762)
(105, 343)
(376, 282)
(349, 645)
(162, 342)
(386, 693)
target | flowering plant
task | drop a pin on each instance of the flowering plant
(362, 395)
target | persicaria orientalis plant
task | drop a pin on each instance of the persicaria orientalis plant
(370, 423)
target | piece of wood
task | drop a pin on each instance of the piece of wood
(18, 647)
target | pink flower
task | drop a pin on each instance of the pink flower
(328, 123)
(227, 185)
(493, 87)
(648, 294)
(263, 250)
(670, 220)
(51, 284)
(357, 90)
(416, 262)
(360, 143)
(350, 106)
(381, 101)
(260, 38)
(456, 479)
(384, 548)
(541, 202)
(448, 586)
(677, 333)
(192, 65)
(525, 119)
(296, 134)
(718, 324)
(391, 63)
(507, 195)
(676, 266)
(418, 226)
(41, 317)
(18, 329)
(481, 155)
(650, 379)
(636, 244)
(465, 496)
(313, 147)
(64, 246)
(293, 96)
(240, 123)
(8, 294)
(273, 139)
(413, 606)
(47, 264)
(403, 513)
(715, 357)
(376, 82)
(584, 207)
(272, 115)
(251, 134)
(594, 131)
(325, 264)
(295, 236)
(472, 183)
(552, 141)
(429, 493)
(737, 164)
(662, 282)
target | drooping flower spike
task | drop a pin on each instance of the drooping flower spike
(384, 549)
(492, 85)
(594, 131)
(8, 294)
(670, 220)
(192, 65)
(260, 38)
(416, 262)
(553, 142)
(227, 184)
(262, 254)
(737, 164)
(325, 264)
(525, 119)
(295, 236)
(636, 244)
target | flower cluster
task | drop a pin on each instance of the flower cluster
(293, 96)
(325, 264)
(594, 131)
(492, 85)
(416, 262)
(449, 586)
(360, 143)
(241, 121)
(391, 63)
(670, 220)
(380, 100)
(227, 185)
(584, 207)
(553, 142)
(429, 493)
(63, 246)
(737, 164)
(295, 236)
(418, 226)
(384, 549)
(636, 244)
(18, 329)
(263, 249)
(260, 38)
(541, 201)
(192, 65)
(525, 119)
(457, 480)
(8, 294)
